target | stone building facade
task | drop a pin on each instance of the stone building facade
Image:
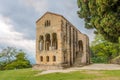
(59, 44)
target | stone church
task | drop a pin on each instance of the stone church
(59, 44)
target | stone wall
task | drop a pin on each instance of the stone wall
(54, 27)
(69, 46)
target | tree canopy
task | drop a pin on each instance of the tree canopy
(103, 16)
(104, 51)
(8, 54)
(11, 58)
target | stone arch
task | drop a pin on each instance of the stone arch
(47, 23)
(54, 58)
(65, 57)
(41, 42)
(80, 45)
(47, 42)
(41, 58)
(54, 41)
(47, 58)
(62, 23)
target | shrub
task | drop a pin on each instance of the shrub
(116, 60)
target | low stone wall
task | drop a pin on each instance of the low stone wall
(47, 67)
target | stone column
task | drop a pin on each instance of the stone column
(75, 43)
(44, 43)
(72, 45)
(84, 59)
(51, 47)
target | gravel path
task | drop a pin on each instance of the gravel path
(89, 67)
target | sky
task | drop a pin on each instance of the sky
(18, 18)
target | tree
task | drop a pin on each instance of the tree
(103, 16)
(104, 51)
(20, 62)
(8, 54)
(11, 58)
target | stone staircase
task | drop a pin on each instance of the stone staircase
(77, 62)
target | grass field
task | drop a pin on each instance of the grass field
(29, 74)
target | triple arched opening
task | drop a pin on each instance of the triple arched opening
(47, 58)
(48, 42)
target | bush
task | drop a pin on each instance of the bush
(13, 59)
(19, 64)
(2, 65)
(99, 60)
(116, 60)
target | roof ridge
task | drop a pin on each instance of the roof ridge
(49, 13)
(57, 15)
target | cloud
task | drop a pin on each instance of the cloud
(23, 17)
(17, 20)
(10, 37)
(90, 34)
(66, 8)
(39, 5)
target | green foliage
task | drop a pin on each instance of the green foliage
(19, 63)
(102, 15)
(103, 51)
(18, 60)
(98, 59)
(8, 54)
(29, 74)
(116, 60)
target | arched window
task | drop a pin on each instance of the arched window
(54, 58)
(47, 58)
(41, 43)
(80, 45)
(54, 41)
(47, 42)
(47, 23)
(66, 24)
(62, 23)
(41, 58)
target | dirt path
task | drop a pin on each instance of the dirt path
(89, 67)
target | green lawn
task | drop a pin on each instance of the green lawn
(29, 74)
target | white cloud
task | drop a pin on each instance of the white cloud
(10, 37)
(38, 5)
(90, 34)
(66, 8)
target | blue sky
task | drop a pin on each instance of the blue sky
(18, 17)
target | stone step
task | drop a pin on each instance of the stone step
(77, 62)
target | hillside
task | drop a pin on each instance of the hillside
(29, 74)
